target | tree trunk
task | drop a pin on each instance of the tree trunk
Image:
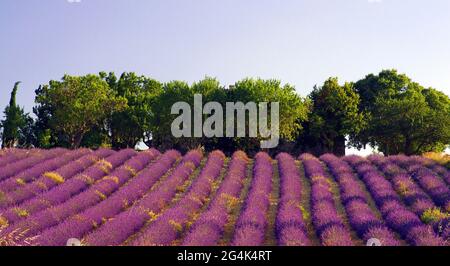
(8, 144)
(408, 147)
(339, 146)
(76, 141)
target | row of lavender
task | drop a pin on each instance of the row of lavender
(128, 223)
(90, 189)
(116, 198)
(396, 215)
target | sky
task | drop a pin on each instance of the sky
(301, 42)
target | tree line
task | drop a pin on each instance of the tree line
(387, 111)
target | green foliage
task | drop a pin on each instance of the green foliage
(387, 83)
(160, 130)
(293, 108)
(97, 137)
(212, 91)
(335, 115)
(129, 126)
(43, 111)
(27, 137)
(16, 123)
(71, 108)
(404, 117)
(386, 111)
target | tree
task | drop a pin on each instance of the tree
(15, 121)
(71, 108)
(293, 111)
(128, 126)
(43, 110)
(159, 135)
(409, 124)
(293, 108)
(404, 117)
(334, 116)
(387, 83)
(27, 136)
(211, 91)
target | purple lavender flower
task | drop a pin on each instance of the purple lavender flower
(360, 215)
(431, 183)
(169, 226)
(13, 155)
(51, 178)
(209, 228)
(55, 218)
(29, 210)
(325, 217)
(252, 224)
(11, 170)
(290, 226)
(395, 214)
(127, 223)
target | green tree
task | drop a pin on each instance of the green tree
(335, 115)
(211, 91)
(293, 108)
(14, 123)
(43, 110)
(293, 111)
(404, 117)
(159, 135)
(73, 107)
(27, 136)
(388, 83)
(128, 126)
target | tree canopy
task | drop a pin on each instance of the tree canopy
(73, 107)
(15, 123)
(334, 116)
(293, 110)
(387, 111)
(404, 117)
(129, 125)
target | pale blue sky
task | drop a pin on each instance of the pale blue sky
(301, 42)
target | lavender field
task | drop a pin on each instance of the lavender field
(111, 198)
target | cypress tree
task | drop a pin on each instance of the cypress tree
(14, 120)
